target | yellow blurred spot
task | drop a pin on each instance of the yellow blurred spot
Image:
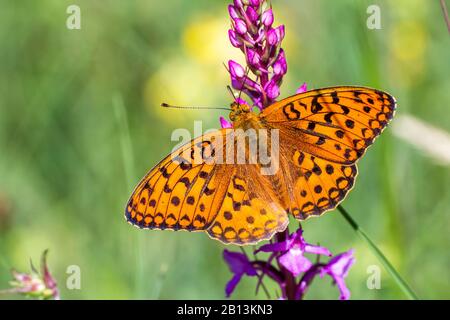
(194, 76)
(409, 41)
(206, 40)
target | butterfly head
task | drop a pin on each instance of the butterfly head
(239, 111)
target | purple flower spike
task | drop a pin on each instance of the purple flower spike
(302, 88)
(253, 34)
(239, 266)
(338, 268)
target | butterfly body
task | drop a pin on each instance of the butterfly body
(320, 136)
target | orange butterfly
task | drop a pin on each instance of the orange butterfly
(322, 134)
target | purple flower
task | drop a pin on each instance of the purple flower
(239, 266)
(236, 70)
(294, 247)
(235, 41)
(36, 285)
(272, 90)
(267, 18)
(252, 32)
(224, 123)
(260, 79)
(302, 88)
(240, 26)
(338, 268)
(272, 37)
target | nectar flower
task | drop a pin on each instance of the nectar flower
(267, 18)
(338, 268)
(239, 265)
(36, 285)
(224, 123)
(302, 88)
(252, 32)
(294, 247)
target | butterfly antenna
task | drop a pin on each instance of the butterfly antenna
(166, 105)
(231, 92)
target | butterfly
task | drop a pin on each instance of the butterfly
(322, 134)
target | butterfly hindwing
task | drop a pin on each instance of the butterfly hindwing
(250, 211)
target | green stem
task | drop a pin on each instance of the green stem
(381, 257)
(128, 162)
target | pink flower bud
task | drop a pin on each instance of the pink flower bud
(234, 38)
(253, 57)
(252, 14)
(255, 3)
(280, 32)
(240, 26)
(236, 70)
(224, 123)
(267, 17)
(272, 90)
(233, 12)
(272, 37)
(238, 4)
(302, 88)
(280, 65)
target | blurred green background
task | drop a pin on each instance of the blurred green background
(80, 124)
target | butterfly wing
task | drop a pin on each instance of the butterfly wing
(250, 211)
(192, 189)
(322, 135)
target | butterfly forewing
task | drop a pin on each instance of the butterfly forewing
(322, 134)
(183, 191)
(336, 124)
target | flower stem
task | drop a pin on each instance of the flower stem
(381, 257)
(289, 286)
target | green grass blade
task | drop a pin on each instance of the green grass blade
(128, 162)
(381, 257)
